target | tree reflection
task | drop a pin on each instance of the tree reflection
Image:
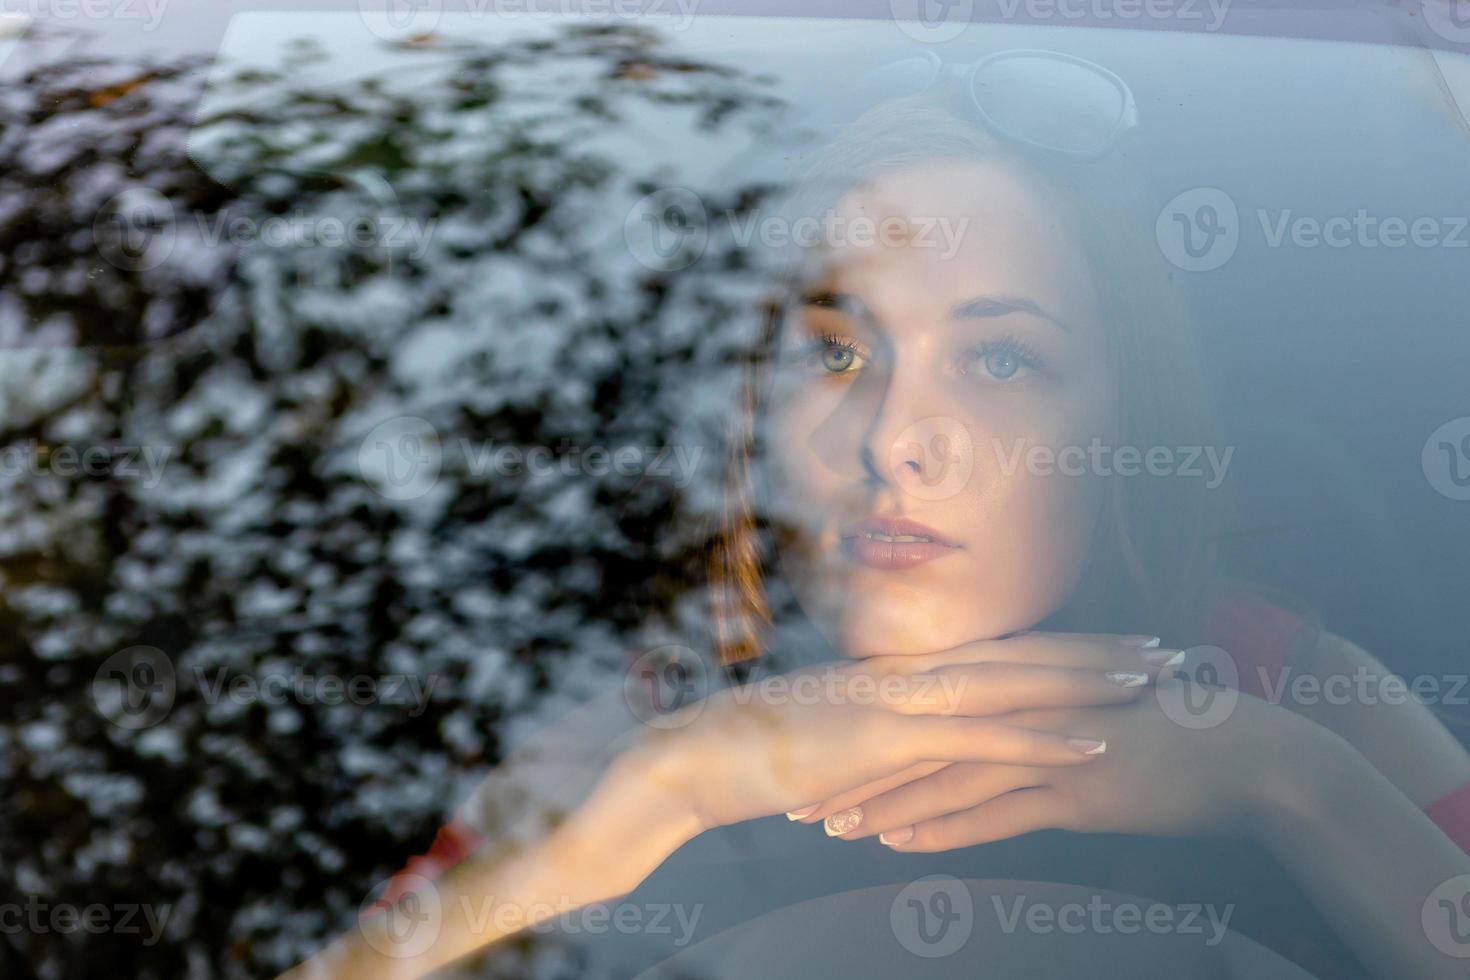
(264, 541)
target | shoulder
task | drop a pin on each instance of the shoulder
(1340, 685)
(1283, 655)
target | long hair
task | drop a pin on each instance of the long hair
(1153, 558)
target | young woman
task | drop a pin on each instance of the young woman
(899, 489)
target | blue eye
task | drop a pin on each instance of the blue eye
(1002, 364)
(833, 355)
(1008, 359)
(837, 359)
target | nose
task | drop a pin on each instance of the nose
(917, 444)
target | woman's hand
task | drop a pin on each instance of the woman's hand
(1158, 777)
(785, 742)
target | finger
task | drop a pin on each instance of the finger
(936, 738)
(957, 787)
(1009, 815)
(1074, 650)
(998, 688)
(867, 791)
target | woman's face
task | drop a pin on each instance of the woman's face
(919, 385)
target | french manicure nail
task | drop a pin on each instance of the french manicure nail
(801, 814)
(1165, 658)
(1087, 746)
(843, 821)
(1127, 678)
(1143, 642)
(900, 836)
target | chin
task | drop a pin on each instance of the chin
(875, 628)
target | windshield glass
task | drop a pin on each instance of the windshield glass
(519, 490)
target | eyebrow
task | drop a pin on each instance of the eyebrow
(991, 306)
(975, 308)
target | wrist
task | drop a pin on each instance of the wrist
(1304, 784)
(640, 810)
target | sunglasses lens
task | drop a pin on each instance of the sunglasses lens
(1050, 102)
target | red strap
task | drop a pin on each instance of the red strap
(1257, 634)
(1452, 814)
(454, 842)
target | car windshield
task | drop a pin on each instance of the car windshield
(692, 489)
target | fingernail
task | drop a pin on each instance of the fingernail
(1087, 746)
(843, 821)
(1165, 658)
(1127, 678)
(900, 836)
(801, 814)
(1141, 641)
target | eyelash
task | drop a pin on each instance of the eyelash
(1010, 344)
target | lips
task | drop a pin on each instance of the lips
(894, 543)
